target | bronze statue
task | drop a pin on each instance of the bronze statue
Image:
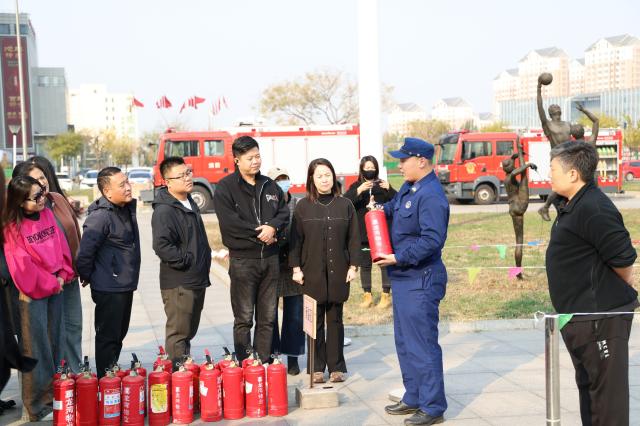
(518, 196)
(558, 131)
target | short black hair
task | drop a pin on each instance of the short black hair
(105, 176)
(578, 155)
(168, 164)
(312, 191)
(242, 145)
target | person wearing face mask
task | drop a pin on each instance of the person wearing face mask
(325, 254)
(360, 192)
(289, 341)
(40, 263)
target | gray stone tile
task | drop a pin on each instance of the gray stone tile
(477, 383)
(491, 404)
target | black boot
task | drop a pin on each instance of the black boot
(292, 365)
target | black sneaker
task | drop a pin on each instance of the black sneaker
(292, 365)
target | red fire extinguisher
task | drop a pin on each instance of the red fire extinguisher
(249, 359)
(233, 391)
(210, 391)
(163, 358)
(190, 365)
(159, 397)
(64, 401)
(278, 400)
(226, 359)
(255, 389)
(109, 399)
(86, 397)
(133, 400)
(63, 368)
(142, 372)
(182, 396)
(378, 234)
(118, 371)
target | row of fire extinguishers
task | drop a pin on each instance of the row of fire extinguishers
(217, 390)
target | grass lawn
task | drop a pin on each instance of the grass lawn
(633, 185)
(492, 295)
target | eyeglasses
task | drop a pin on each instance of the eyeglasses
(36, 198)
(188, 173)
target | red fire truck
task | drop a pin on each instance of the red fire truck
(469, 165)
(209, 154)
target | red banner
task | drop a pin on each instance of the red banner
(11, 92)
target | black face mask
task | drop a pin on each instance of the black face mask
(369, 174)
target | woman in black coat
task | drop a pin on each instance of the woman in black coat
(325, 254)
(360, 192)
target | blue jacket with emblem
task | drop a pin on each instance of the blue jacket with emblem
(419, 217)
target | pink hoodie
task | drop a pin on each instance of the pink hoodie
(36, 250)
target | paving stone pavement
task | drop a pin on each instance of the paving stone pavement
(491, 377)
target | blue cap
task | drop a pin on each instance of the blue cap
(414, 147)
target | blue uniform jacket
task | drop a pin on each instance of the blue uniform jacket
(419, 216)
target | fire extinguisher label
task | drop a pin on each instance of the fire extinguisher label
(248, 387)
(111, 403)
(142, 402)
(158, 398)
(203, 389)
(57, 405)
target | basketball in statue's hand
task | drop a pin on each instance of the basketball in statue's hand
(545, 78)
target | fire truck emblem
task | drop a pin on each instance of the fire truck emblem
(471, 167)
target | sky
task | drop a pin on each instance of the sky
(236, 48)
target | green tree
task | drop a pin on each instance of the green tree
(605, 121)
(631, 133)
(325, 96)
(429, 130)
(148, 147)
(498, 126)
(120, 151)
(65, 146)
(470, 125)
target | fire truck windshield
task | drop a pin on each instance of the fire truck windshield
(447, 152)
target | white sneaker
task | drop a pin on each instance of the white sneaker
(347, 341)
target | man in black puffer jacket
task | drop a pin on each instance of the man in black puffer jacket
(180, 241)
(109, 260)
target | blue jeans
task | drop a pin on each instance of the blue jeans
(291, 340)
(415, 323)
(41, 336)
(72, 325)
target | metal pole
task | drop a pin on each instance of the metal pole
(23, 118)
(15, 150)
(312, 347)
(552, 369)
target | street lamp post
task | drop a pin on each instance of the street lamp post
(23, 118)
(15, 129)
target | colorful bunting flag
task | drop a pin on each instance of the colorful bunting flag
(475, 247)
(473, 273)
(563, 319)
(514, 272)
(502, 250)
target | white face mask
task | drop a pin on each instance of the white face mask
(284, 185)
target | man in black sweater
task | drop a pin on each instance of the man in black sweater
(589, 269)
(180, 241)
(251, 210)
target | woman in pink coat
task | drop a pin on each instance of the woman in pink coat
(39, 261)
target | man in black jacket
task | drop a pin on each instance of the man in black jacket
(180, 241)
(109, 260)
(251, 209)
(589, 269)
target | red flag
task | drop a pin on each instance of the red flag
(214, 109)
(137, 103)
(224, 102)
(194, 101)
(163, 102)
(184, 105)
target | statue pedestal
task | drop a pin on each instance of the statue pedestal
(317, 397)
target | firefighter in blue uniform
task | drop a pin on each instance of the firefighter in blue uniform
(419, 215)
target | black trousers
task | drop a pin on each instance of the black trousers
(599, 351)
(329, 350)
(366, 266)
(183, 307)
(253, 291)
(112, 315)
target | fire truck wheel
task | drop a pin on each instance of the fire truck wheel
(484, 194)
(629, 176)
(202, 197)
